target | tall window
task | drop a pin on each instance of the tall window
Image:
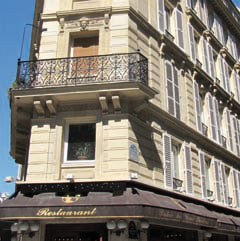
(193, 52)
(168, 14)
(217, 181)
(172, 163)
(236, 186)
(237, 85)
(224, 73)
(236, 128)
(179, 27)
(208, 58)
(215, 121)
(218, 28)
(228, 129)
(225, 183)
(205, 176)
(161, 15)
(80, 142)
(173, 99)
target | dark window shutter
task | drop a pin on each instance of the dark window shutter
(203, 174)
(217, 181)
(236, 187)
(188, 169)
(168, 175)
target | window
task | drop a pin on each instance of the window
(218, 28)
(161, 13)
(172, 175)
(179, 28)
(205, 175)
(236, 186)
(217, 181)
(193, 52)
(215, 121)
(228, 129)
(198, 107)
(176, 160)
(168, 19)
(236, 134)
(80, 142)
(208, 58)
(173, 99)
(191, 3)
(225, 184)
(82, 47)
(237, 85)
(224, 73)
(173, 164)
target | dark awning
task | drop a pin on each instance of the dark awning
(132, 203)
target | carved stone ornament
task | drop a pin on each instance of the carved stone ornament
(84, 23)
(61, 22)
(106, 20)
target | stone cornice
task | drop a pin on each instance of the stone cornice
(62, 14)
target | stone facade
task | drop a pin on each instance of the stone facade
(179, 132)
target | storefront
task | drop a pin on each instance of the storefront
(113, 211)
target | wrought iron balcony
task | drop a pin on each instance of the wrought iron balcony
(132, 67)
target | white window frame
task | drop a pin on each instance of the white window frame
(66, 135)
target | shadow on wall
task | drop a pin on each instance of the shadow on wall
(147, 145)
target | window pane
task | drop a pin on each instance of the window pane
(81, 142)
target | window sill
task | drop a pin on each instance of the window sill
(78, 164)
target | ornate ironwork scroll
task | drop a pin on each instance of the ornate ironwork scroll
(132, 67)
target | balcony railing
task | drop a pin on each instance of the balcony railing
(132, 67)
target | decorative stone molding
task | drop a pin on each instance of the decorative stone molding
(106, 20)
(84, 23)
(162, 49)
(61, 23)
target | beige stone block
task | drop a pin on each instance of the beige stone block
(38, 169)
(38, 158)
(51, 6)
(117, 155)
(38, 148)
(40, 138)
(78, 173)
(117, 165)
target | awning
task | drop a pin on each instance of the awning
(132, 203)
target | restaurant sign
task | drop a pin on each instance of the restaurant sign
(61, 212)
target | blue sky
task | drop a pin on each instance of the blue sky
(14, 15)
